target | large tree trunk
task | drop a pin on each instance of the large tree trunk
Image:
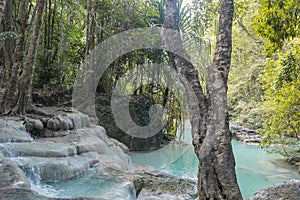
(10, 97)
(208, 114)
(9, 40)
(24, 97)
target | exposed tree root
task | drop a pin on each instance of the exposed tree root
(20, 110)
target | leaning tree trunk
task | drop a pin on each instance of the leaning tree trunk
(25, 86)
(208, 115)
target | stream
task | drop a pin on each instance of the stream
(255, 168)
(45, 166)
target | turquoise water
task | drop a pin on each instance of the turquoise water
(255, 168)
(89, 185)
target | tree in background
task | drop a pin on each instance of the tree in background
(277, 21)
(245, 91)
(263, 84)
(282, 101)
(23, 103)
(2, 8)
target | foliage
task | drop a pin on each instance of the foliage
(277, 21)
(283, 95)
(263, 88)
(245, 90)
(264, 85)
(61, 46)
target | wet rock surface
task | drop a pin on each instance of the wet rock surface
(53, 169)
(289, 190)
(12, 130)
(26, 160)
(151, 184)
(56, 149)
(38, 149)
(28, 194)
(11, 175)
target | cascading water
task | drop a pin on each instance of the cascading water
(91, 184)
(7, 150)
(33, 173)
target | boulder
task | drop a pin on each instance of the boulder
(11, 175)
(119, 144)
(163, 186)
(89, 142)
(34, 126)
(106, 161)
(79, 120)
(65, 123)
(283, 191)
(151, 184)
(53, 124)
(13, 131)
(20, 193)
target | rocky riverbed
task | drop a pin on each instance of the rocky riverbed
(66, 146)
(69, 148)
(245, 135)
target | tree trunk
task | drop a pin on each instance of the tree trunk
(10, 97)
(208, 114)
(218, 125)
(90, 26)
(9, 40)
(24, 98)
(2, 9)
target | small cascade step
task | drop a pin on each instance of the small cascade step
(53, 169)
(12, 131)
(38, 149)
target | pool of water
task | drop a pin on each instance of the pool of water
(255, 168)
(89, 185)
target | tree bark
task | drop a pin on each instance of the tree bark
(90, 26)
(207, 113)
(218, 125)
(9, 40)
(10, 96)
(24, 103)
(2, 9)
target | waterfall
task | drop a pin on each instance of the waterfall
(33, 173)
(7, 150)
